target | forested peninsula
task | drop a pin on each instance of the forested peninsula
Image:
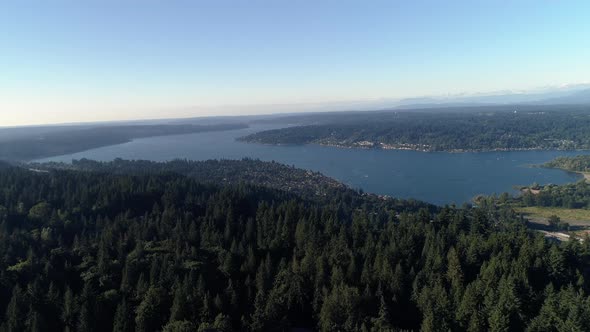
(225, 172)
(579, 163)
(482, 129)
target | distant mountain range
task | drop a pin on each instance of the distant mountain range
(566, 95)
(579, 97)
(575, 94)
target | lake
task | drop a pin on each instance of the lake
(436, 177)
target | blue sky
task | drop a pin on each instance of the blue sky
(64, 61)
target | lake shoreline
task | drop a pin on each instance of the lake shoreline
(453, 151)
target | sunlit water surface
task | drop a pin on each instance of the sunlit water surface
(435, 177)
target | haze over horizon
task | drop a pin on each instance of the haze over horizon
(65, 62)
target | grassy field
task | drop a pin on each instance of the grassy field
(575, 217)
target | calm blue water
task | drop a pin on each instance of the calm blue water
(435, 177)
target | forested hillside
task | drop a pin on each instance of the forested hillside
(521, 128)
(308, 184)
(74, 139)
(84, 251)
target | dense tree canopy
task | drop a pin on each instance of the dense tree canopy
(226, 171)
(83, 251)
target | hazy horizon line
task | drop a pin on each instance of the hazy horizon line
(341, 105)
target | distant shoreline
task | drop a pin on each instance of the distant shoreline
(58, 143)
(401, 148)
